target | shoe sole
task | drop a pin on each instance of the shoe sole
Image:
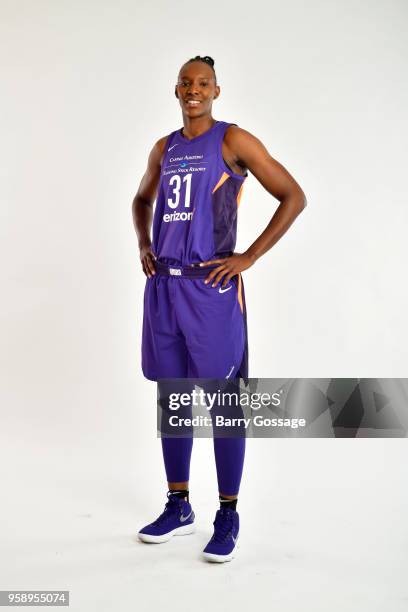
(220, 558)
(179, 531)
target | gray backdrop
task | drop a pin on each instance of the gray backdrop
(87, 88)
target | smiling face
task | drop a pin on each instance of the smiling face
(196, 89)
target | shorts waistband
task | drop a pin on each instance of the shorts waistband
(183, 271)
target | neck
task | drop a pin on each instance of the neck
(194, 126)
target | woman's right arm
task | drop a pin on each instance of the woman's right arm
(142, 206)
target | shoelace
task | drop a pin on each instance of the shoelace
(223, 526)
(169, 509)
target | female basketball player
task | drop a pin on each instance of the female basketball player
(194, 322)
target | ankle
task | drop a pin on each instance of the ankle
(180, 494)
(228, 502)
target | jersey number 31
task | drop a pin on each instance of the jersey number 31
(175, 182)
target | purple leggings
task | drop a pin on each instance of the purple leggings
(229, 460)
(229, 455)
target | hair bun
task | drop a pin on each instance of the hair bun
(209, 60)
(206, 58)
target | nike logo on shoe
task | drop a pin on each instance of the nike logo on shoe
(184, 518)
(221, 290)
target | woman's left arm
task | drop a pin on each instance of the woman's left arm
(249, 152)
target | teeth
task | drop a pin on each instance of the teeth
(193, 102)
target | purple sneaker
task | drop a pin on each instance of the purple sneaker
(221, 547)
(177, 519)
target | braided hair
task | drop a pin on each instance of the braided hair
(207, 60)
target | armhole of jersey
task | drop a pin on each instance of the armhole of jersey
(221, 161)
(166, 145)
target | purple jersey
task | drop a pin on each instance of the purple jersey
(191, 329)
(195, 217)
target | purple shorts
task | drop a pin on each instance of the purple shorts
(193, 330)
